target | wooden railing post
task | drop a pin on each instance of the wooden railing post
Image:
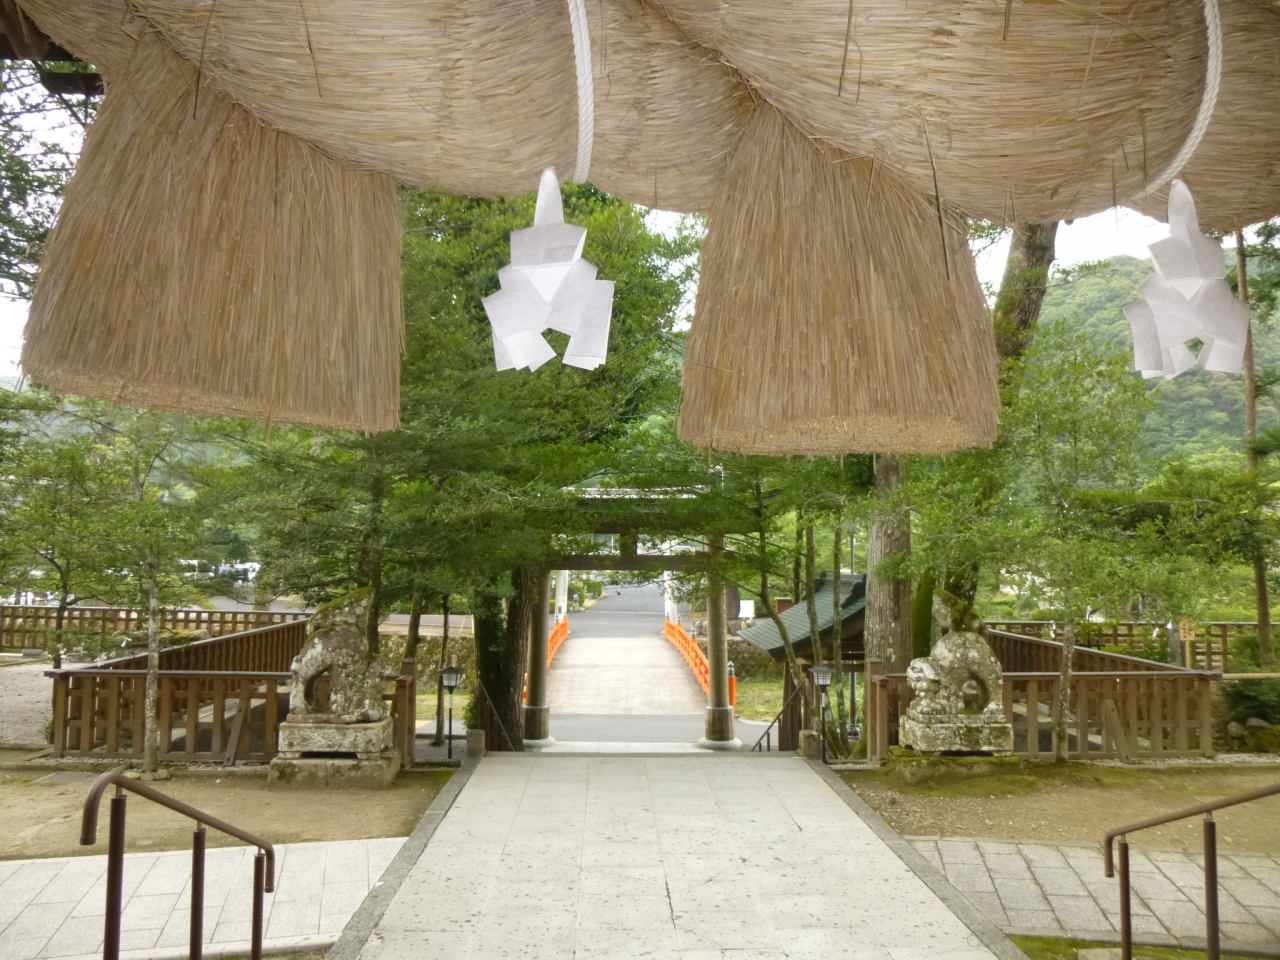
(876, 712)
(60, 685)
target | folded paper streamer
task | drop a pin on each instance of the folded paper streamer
(1188, 299)
(549, 286)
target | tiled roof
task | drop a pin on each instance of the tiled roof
(853, 600)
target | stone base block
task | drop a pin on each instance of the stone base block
(334, 772)
(475, 743)
(361, 741)
(537, 723)
(956, 735)
(909, 767)
(734, 744)
(810, 745)
(719, 724)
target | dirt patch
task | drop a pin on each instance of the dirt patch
(43, 820)
(1077, 802)
(25, 705)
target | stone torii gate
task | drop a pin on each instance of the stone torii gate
(720, 732)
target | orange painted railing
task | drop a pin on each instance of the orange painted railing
(559, 634)
(693, 654)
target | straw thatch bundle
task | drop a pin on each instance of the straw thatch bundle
(207, 264)
(1011, 111)
(808, 328)
(1080, 107)
(475, 98)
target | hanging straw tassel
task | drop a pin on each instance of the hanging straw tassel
(208, 265)
(825, 322)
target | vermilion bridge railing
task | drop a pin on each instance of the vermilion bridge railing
(691, 652)
(559, 634)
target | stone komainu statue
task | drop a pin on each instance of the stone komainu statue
(337, 644)
(938, 720)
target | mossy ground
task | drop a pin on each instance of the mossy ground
(1052, 948)
(1076, 802)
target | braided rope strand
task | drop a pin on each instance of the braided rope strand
(1208, 100)
(586, 89)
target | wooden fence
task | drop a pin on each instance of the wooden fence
(27, 627)
(692, 653)
(1031, 654)
(263, 650)
(218, 700)
(1117, 706)
(1205, 645)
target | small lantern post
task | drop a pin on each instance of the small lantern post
(822, 675)
(451, 679)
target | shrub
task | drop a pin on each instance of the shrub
(1243, 699)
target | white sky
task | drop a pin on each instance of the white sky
(1099, 237)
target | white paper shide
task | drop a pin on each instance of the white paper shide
(548, 286)
(1188, 299)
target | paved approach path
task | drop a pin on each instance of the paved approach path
(54, 907)
(617, 679)
(1055, 890)
(616, 662)
(716, 856)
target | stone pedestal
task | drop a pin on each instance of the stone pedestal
(719, 730)
(810, 746)
(537, 723)
(335, 754)
(959, 733)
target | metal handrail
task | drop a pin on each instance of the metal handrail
(264, 862)
(1212, 930)
(786, 703)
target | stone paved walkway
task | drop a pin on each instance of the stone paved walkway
(729, 856)
(54, 907)
(1060, 890)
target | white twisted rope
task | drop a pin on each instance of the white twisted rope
(586, 88)
(1208, 100)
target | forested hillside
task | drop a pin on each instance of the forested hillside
(1195, 414)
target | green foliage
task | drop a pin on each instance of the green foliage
(1252, 698)
(1198, 414)
(33, 171)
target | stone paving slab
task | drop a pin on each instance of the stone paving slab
(749, 857)
(54, 907)
(1059, 890)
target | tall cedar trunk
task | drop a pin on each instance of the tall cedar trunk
(766, 599)
(502, 649)
(1026, 275)
(837, 624)
(415, 625)
(444, 662)
(373, 563)
(1266, 643)
(63, 595)
(1032, 250)
(922, 614)
(810, 598)
(1065, 666)
(797, 592)
(888, 616)
(151, 733)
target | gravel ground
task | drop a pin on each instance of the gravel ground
(25, 710)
